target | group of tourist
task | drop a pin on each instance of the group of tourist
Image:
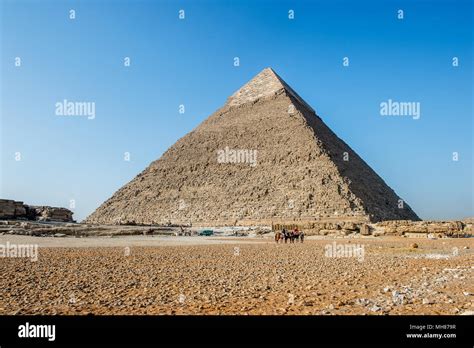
(289, 235)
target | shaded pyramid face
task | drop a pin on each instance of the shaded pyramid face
(265, 157)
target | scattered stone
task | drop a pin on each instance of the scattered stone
(364, 230)
(375, 308)
(215, 282)
(397, 298)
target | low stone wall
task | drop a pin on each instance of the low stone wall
(394, 228)
(45, 213)
(343, 228)
(10, 209)
(437, 228)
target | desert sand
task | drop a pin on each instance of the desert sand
(209, 275)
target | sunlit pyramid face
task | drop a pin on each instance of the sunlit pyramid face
(264, 157)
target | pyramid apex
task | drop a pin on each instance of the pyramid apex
(266, 83)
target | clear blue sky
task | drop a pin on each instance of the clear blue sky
(190, 62)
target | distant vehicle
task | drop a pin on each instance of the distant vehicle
(206, 233)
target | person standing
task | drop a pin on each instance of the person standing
(295, 234)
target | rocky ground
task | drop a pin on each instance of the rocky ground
(395, 277)
(80, 230)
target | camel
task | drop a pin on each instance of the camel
(278, 236)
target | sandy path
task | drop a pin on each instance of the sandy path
(123, 241)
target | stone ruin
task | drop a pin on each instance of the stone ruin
(14, 210)
(405, 228)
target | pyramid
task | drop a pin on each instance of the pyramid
(265, 157)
